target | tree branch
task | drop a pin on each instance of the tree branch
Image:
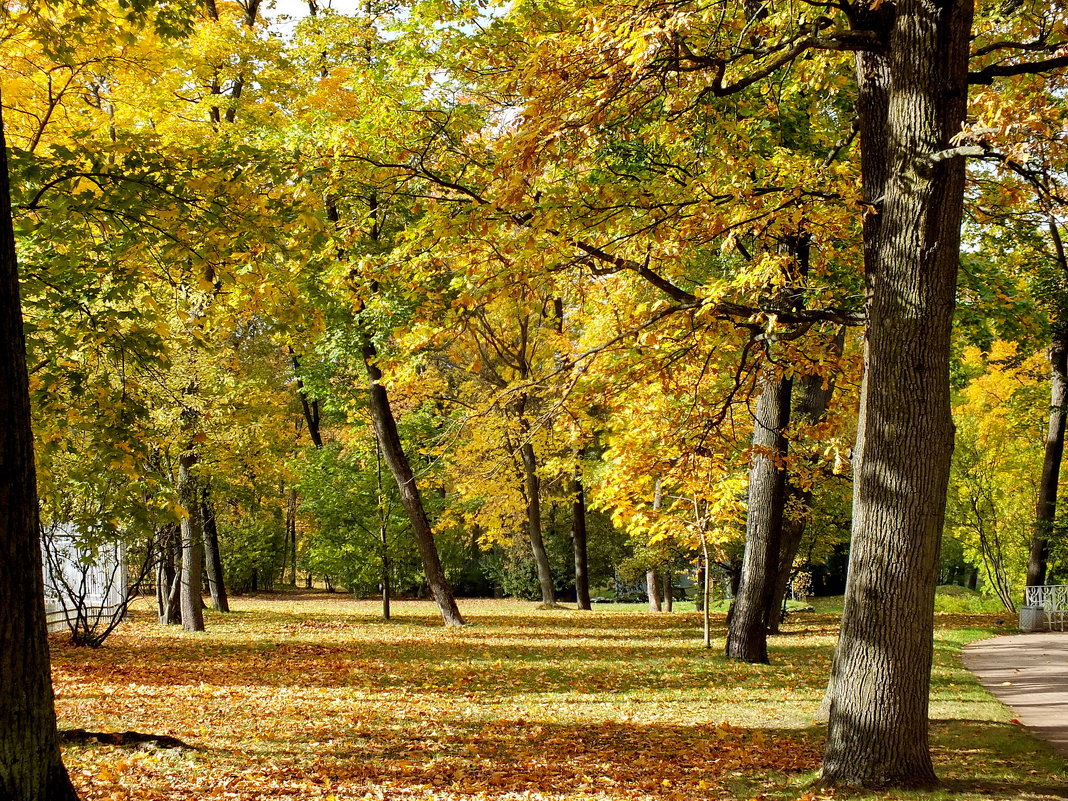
(987, 75)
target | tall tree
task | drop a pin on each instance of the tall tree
(747, 638)
(31, 768)
(389, 441)
(913, 92)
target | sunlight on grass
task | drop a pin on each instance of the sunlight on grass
(314, 697)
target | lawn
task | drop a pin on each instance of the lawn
(314, 697)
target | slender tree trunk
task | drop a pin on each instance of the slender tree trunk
(705, 590)
(289, 555)
(192, 585)
(912, 98)
(386, 591)
(1046, 508)
(212, 559)
(31, 768)
(174, 591)
(578, 538)
(667, 584)
(811, 407)
(309, 406)
(698, 597)
(393, 452)
(652, 590)
(747, 635)
(167, 571)
(534, 527)
(293, 557)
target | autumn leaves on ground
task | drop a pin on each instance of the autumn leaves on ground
(313, 697)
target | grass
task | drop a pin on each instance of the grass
(314, 697)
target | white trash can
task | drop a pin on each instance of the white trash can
(1032, 618)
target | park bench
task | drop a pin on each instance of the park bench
(1052, 599)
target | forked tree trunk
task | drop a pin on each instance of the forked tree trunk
(31, 768)
(667, 587)
(309, 406)
(212, 559)
(393, 452)
(534, 527)
(578, 538)
(168, 573)
(1046, 508)
(811, 407)
(174, 591)
(747, 634)
(912, 103)
(192, 584)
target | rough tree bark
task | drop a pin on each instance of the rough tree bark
(31, 768)
(578, 538)
(212, 560)
(192, 583)
(912, 102)
(747, 634)
(393, 452)
(1046, 507)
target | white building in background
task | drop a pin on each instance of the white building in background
(75, 580)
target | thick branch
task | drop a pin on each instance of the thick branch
(988, 74)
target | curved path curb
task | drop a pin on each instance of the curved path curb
(1029, 673)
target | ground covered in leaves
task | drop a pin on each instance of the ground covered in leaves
(313, 697)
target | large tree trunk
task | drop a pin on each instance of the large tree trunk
(912, 101)
(652, 590)
(1046, 508)
(31, 768)
(578, 538)
(534, 528)
(393, 452)
(212, 559)
(192, 592)
(811, 406)
(747, 635)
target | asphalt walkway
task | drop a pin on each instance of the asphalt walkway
(1029, 673)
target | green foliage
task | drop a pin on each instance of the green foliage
(355, 520)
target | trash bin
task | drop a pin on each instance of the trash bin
(1032, 618)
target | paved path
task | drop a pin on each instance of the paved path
(1028, 672)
